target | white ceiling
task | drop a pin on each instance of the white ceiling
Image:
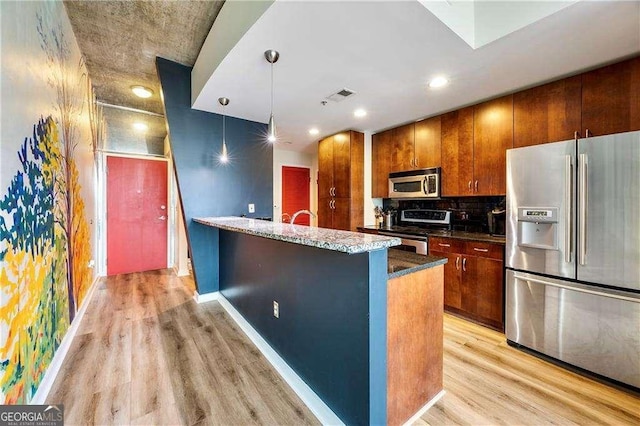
(387, 51)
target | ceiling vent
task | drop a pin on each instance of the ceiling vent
(341, 95)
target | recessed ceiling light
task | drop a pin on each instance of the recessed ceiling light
(141, 91)
(360, 113)
(141, 127)
(314, 131)
(438, 82)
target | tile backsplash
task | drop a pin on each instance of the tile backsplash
(468, 213)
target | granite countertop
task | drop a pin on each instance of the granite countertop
(461, 235)
(402, 262)
(330, 239)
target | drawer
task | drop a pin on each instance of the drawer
(480, 249)
(445, 245)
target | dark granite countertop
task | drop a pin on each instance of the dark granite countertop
(402, 262)
(461, 235)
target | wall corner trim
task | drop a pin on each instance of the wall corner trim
(206, 297)
(306, 394)
(50, 376)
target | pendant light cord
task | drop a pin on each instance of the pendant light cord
(271, 88)
(224, 116)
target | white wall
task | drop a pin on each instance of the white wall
(369, 203)
(283, 157)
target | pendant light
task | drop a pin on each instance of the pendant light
(224, 157)
(272, 57)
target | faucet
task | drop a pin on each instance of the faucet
(299, 212)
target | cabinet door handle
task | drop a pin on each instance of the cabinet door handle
(476, 186)
(469, 186)
(444, 245)
(417, 162)
(464, 264)
(482, 250)
(333, 204)
(457, 263)
(587, 133)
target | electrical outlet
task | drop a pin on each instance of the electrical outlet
(252, 208)
(276, 309)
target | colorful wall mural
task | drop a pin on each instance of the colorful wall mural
(50, 129)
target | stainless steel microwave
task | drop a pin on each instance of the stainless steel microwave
(422, 183)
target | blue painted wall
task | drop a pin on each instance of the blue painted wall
(207, 187)
(332, 325)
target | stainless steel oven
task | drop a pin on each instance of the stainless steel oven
(413, 243)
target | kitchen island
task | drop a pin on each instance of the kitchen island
(351, 328)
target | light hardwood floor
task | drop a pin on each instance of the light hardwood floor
(147, 354)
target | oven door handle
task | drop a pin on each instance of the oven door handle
(403, 236)
(420, 244)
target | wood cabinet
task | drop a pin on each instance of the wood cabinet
(492, 136)
(473, 145)
(341, 181)
(473, 141)
(457, 153)
(381, 150)
(412, 146)
(402, 154)
(611, 99)
(473, 279)
(427, 152)
(548, 113)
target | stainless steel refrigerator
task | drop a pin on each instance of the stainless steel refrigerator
(573, 253)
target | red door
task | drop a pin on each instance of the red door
(136, 215)
(295, 193)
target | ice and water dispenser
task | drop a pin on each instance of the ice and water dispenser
(538, 227)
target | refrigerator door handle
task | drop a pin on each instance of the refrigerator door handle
(568, 176)
(583, 209)
(581, 290)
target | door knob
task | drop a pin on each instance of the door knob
(163, 217)
(163, 207)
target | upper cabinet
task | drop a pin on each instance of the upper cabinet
(341, 181)
(548, 113)
(611, 99)
(492, 136)
(427, 143)
(412, 146)
(470, 144)
(474, 144)
(381, 151)
(457, 153)
(402, 154)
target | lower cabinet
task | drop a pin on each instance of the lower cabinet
(473, 279)
(334, 213)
